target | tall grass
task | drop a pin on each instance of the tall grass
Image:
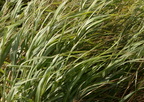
(72, 51)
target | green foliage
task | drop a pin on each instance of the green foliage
(71, 50)
(1, 3)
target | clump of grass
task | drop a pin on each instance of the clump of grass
(71, 51)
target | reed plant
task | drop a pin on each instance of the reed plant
(72, 51)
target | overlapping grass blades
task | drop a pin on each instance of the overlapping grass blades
(71, 51)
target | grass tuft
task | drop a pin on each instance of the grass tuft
(71, 50)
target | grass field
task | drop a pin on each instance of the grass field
(72, 51)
